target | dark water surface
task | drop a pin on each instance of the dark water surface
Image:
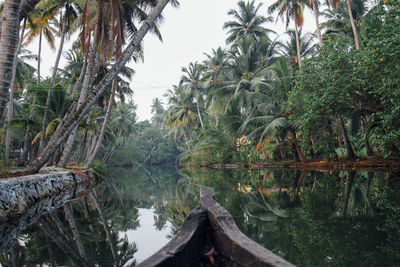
(309, 218)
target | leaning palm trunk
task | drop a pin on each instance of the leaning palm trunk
(198, 112)
(59, 136)
(353, 25)
(315, 11)
(63, 244)
(296, 30)
(103, 127)
(85, 86)
(69, 215)
(12, 88)
(99, 209)
(349, 184)
(90, 146)
(49, 93)
(8, 47)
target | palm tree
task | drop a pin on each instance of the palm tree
(123, 88)
(247, 22)
(191, 80)
(114, 22)
(289, 49)
(67, 17)
(8, 48)
(287, 10)
(158, 110)
(313, 4)
(353, 25)
(69, 123)
(12, 88)
(337, 20)
(38, 24)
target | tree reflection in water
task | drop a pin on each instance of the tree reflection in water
(307, 217)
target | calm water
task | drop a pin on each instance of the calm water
(309, 218)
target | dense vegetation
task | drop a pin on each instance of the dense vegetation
(85, 107)
(265, 97)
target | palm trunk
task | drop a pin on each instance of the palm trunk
(296, 30)
(60, 226)
(314, 7)
(110, 153)
(63, 244)
(69, 215)
(93, 198)
(12, 88)
(349, 184)
(49, 93)
(369, 151)
(349, 149)
(8, 47)
(91, 146)
(50, 250)
(59, 136)
(85, 86)
(26, 7)
(198, 112)
(103, 128)
(39, 56)
(80, 79)
(76, 154)
(353, 25)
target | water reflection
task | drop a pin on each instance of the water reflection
(307, 217)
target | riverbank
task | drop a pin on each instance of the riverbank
(324, 165)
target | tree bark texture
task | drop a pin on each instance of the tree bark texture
(353, 25)
(85, 86)
(296, 30)
(69, 215)
(12, 89)
(103, 127)
(315, 11)
(8, 47)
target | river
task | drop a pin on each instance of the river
(310, 218)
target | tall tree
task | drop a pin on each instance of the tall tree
(12, 88)
(247, 22)
(290, 10)
(70, 123)
(67, 18)
(8, 47)
(313, 5)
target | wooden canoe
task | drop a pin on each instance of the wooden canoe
(210, 237)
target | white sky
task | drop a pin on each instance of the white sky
(188, 31)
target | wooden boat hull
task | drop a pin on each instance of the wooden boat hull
(210, 237)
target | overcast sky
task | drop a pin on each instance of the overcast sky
(188, 31)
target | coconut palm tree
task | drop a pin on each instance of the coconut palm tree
(12, 89)
(337, 20)
(158, 111)
(191, 80)
(68, 14)
(290, 10)
(247, 22)
(289, 49)
(8, 48)
(313, 4)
